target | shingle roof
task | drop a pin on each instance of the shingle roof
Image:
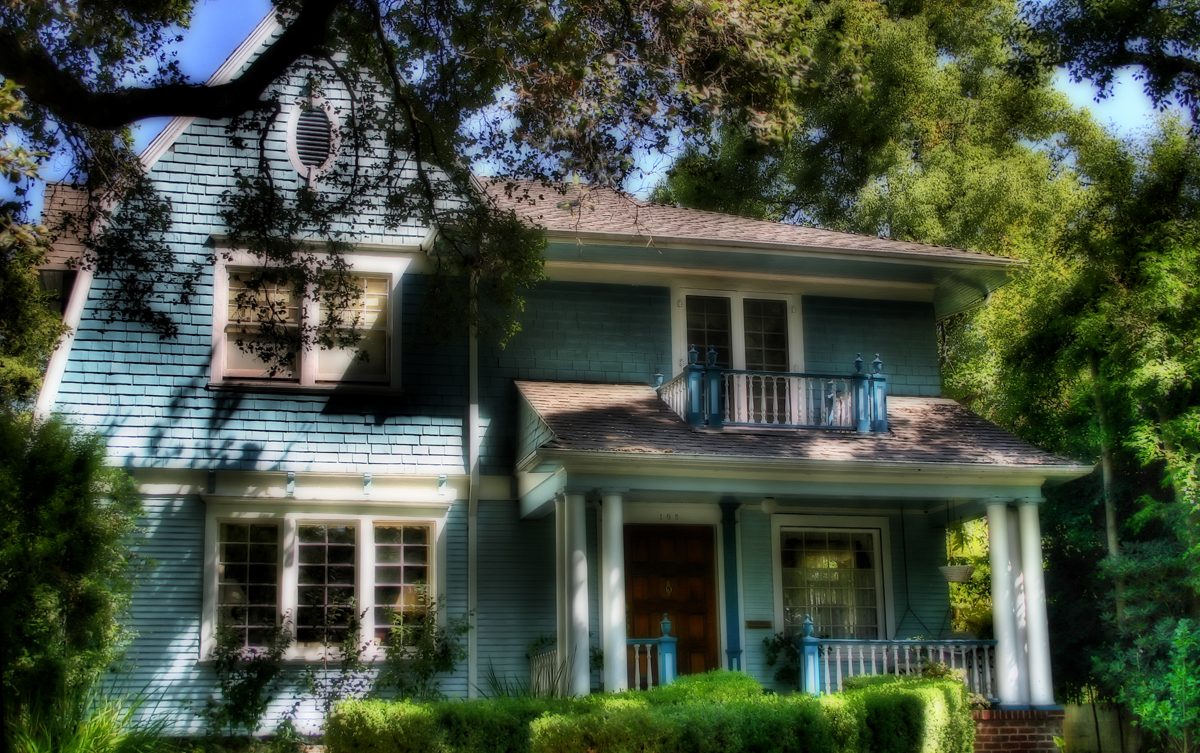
(630, 418)
(590, 209)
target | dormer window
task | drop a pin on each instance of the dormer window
(754, 331)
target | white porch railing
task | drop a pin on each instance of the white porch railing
(839, 660)
(544, 672)
(675, 394)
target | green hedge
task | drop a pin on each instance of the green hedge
(715, 712)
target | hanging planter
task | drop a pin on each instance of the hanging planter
(957, 573)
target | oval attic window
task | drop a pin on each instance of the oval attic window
(314, 137)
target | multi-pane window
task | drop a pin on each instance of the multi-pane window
(402, 562)
(766, 335)
(260, 311)
(325, 594)
(248, 581)
(709, 324)
(833, 576)
(266, 315)
(362, 304)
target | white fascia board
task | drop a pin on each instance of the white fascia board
(795, 469)
(223, 75)
(585, 237)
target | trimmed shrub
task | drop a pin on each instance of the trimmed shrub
(719, 712)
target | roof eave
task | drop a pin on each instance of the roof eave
(724, 244)
(1052, 474)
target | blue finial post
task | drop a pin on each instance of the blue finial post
(860, 404)
(879, 422)
(810, 664)
(658, 381)
(694, 374)
(666, 653)
(714, 414)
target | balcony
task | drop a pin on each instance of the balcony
(706, 395)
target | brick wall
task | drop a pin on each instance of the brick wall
(1003, 730)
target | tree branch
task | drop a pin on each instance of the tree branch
(70, 99)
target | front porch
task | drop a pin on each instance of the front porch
(844, 525)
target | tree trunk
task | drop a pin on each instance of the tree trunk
(1106, 468)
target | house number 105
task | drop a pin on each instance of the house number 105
(668, 516)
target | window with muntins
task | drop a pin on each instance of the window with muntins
(248, 581)
(749, 331)
(325, 594)
(258, 309)
(402, 564)
(833, 575)
(314, 575)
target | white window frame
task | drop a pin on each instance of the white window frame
(362, 517)
(391, 266)
(737, 313)
(879, 526)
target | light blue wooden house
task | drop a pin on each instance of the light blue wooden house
(682, 428)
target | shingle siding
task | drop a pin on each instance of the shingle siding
(903, 333)
(571, 332)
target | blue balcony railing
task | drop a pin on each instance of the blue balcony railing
(708, 395)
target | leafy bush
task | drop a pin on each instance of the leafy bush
(715, 712)
(64, 559)
(83, 723)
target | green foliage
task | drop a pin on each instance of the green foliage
(29, 330)
(971, 602)
(64, 559)
(83, 723)
(247, 678)
(783, 650)
(717, 712)
(419, 648)
(1162, 685)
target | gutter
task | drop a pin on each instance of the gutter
(473, 515)
(714, 464)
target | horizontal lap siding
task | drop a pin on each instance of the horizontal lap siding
(922, 596)
(758, 593)
(903, 333)
(161, 665)
(516, 590)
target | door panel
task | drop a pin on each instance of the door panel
(673, 570)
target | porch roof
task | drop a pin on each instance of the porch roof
(630, 419)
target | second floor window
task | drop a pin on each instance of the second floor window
(266, 316)
(747, 333)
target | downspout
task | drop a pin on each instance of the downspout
(473, 514)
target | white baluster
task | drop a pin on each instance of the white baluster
(825, 652)
(873, 660)
(637, 666)
(862, 670)
(838, 659)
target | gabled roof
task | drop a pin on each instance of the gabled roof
(630, 419)
(596, 210)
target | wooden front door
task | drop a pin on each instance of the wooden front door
(673, 569)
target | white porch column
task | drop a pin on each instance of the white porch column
(577, 658)
(562, 634)
(612, 609)
(1018, 606)
(1004, 623)
(1041, 686)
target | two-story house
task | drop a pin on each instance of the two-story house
(681, 428)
